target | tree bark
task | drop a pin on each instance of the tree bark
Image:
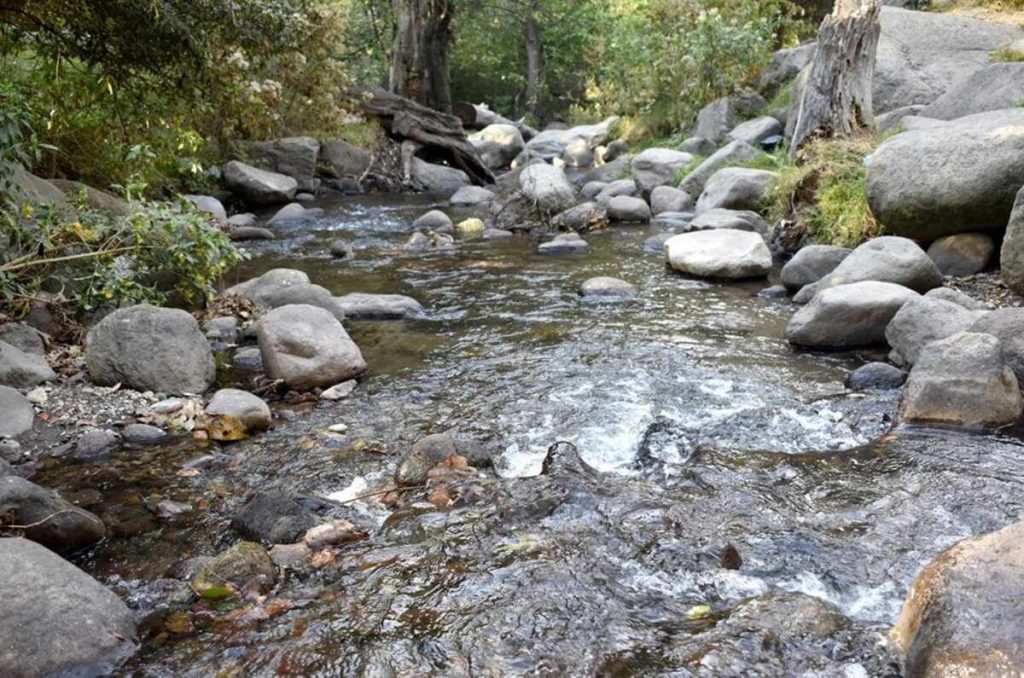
(419, 61)
(534, 60)
(837, 98)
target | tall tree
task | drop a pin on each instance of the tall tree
(420, 59)
(535, 64)
(836, 100)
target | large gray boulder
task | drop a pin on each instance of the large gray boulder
(498, 144)
(959, 617)
(1011, 255)
(471, 195)
(657, 167)
(307, 347)
(721, 253)
(626, 208)
(23, 370)
(439, 179)
(24, 337)
(669, 199)
(616, 188)
(719, 218)
(1007, 325)
(962, 254)
(547, 187)
(949, 178)
(992, 88)
(339, 158)
(733, 153)
(962, 380)
(811, 264)
(848, 316)
(27, 188)
(887, 259)
(55, 620)
(256, 186)
(293, 157)
(70, 528)
(150, 349)
(284, 286)
(923, 320)
(715, 120)
(735, 188)
(786, 64)
(755, 131)
(18, 413)
(210, 205)
(93, 197)
(379, 306)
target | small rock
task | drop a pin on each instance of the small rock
(290, 555)
(962, 254)
(307, 347)
(142, 434)
(471, 195)
(245, 567)
(56, 524)
(37, 396)
(606, 287)
(720, 253)
(424, 455)
(247, 359)
(338, 428)
(22, 370)
(244, 220)
(305, 197)
(96, 443)
(341, 249)
(243, 233)
(247, 408)
(274, 517)
(567, 242)
(331, 534)
(496, 234)
(23, 337)
(774, 292)
(340, 391)
(434, 220)
(471, 226)
(222, 328)
(879, 376)
(626, 208)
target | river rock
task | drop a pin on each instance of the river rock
(887, 259)
(625, 208)
(848, 316)
(547, 187)
(962, 380)
(439, 179)
(425, 454)
(471, 195)
(421, 242)
(592, 189)
(954, 177)
(677, 222)
(341, 159)
(889, 120)
(96, 443)
(23, 370)
(875, 376)
(293, 213)
(223, 328)
(994, 87)
(812, 263)
(1011, 256)
(962, 254)
(379, 306)
(286, 286)
(244, 233)
(23, 337)
(578, 153)
(957, 297)
(341, 250)
(735, 188)
(294, 157)
(498, 144)
(69, 529)
(604, 287)
(755, 131)
(786, 64)
(721, 253)
(496, 234)
(699, 147)
(150, 349)
(307, 347)
(245, 567)
(921, 321)
(566, 242)
(247, 408)
(1007, 325)
(720, 218)
(715, 120)
(93, 197)
(274, 517)
(18, 413)
(959, 617)
(656, 243)
(669, 199)
(143, 434)
(339, 391)
(657, 167)
(612, 189)
(56, 620)
(209, 205)
(244, 220)
(256, 186)
(434, 220)
(733, 153)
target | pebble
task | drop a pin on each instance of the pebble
(96, 443)
(338, 428)
(171, 509)
(10, 450)
(167, 406)
(142, 434)
(340, 391)
(37, 396)
(331, 534)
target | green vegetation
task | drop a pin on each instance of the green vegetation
(1008, 54)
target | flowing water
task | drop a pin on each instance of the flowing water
(750, 516)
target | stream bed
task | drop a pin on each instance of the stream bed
(739, 513)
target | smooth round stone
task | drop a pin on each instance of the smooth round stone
(142, 434)
(341, 249)
(607, 288)
(247, 359)
(878, 376)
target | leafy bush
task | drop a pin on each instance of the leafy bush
(160, 252)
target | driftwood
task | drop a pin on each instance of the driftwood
(478, 116)
(440, 134)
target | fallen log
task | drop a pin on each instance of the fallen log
(441, 135)
(479, 116)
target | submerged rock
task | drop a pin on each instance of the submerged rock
(877, 376)
(425, 454)
(274, 517)
(243, 568)
(55, 523)
(605, 287)
(379, 306)
(567, 242)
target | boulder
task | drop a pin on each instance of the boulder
(719, 218)
(498, 144)
(567, 242)
(285, 286)
(338, 158)
(955, 177)
(669, 199)
(592, 189)
(93, 197)
(613, 189)
(962, 380)
(658, 167)
(56, 620)
(547, 187)
(439, 179)
(582, 217)
(56, 524)
(733, 153)
(957, 297)
(607, 288)
(960, 615)
(341, 249)
(715, 120)
(243, 406)
(292, 212)
(23, 370)
(379, 306)
(143, 434)
(721, 253)
(962, 254)
(307, 347)
(471, 195)
(209, 205)
(991, 88)
(578, 153)
(425, 454)
(244, 220)
(150, 349)
(887, 259)
(811, 264)
(243, 233)
(889, 120)
(1011, 255)
(921, 321)
(615, 150)
(18, 413)
(626, 208)
(23, 337)
(256, 186)
(294, 157)
(735, 188)
(243, 568)
(875, 376)
(698, 147)
(786, 64)
(434, 220)
(27, 188)
(848, 316)
(274, 517)
(755, 131)
(1007, 325)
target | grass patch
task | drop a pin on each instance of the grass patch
(824, 194)
(1008, 55)
(685, 170)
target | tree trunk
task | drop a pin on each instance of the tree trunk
(419, 61)
(837, 98)
(534, 60)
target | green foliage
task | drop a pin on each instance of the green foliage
(1008, 54)
(19, 144)
(159, 252)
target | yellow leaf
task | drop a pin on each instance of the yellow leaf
(225, 428)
